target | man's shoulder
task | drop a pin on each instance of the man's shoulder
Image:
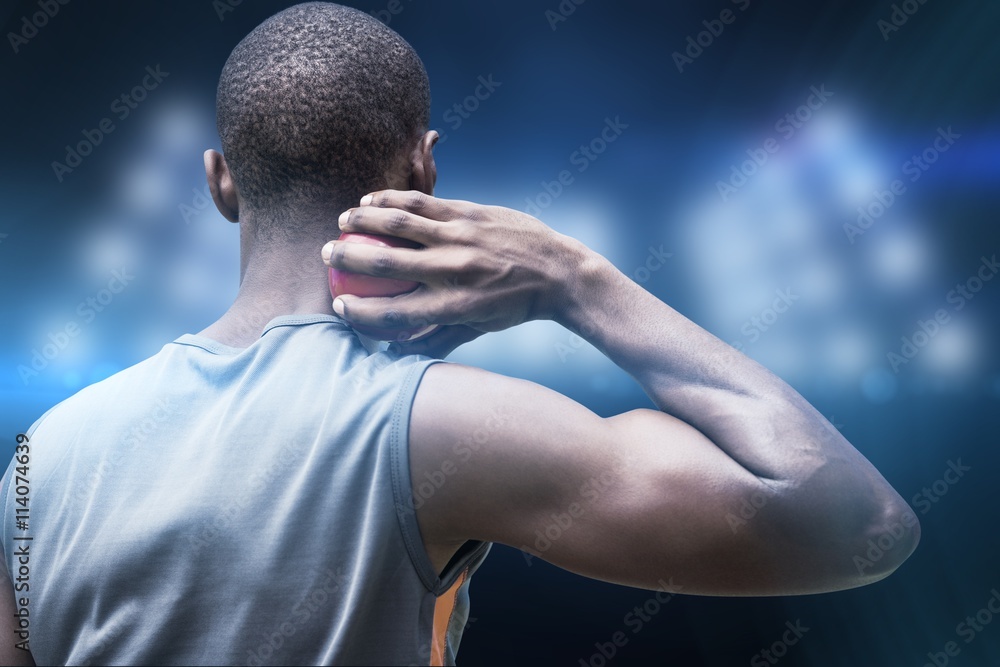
(103, 395)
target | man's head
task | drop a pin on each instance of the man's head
(318, 106)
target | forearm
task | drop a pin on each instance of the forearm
(825, 500)
(489, 268)
(747, 411)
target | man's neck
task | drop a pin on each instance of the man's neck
(286, 279)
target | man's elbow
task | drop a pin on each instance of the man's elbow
(851, 539)
(875, 547)
(888, 541)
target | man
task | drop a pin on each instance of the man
(275, 490)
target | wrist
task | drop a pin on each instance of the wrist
(585, 276)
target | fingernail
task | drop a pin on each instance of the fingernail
(327, 251)
(366, 200)
(338, 306)
(344, 217)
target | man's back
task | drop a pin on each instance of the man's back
(224, 487)
(215, 505)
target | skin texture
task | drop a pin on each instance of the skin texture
(641, 498)
(727, 431)
(275, 280)
(290, 278)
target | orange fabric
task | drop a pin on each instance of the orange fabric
(443, 608)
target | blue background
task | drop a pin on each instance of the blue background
(136, 203)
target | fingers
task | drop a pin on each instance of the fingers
(391, 222)
(439, 344)
(418, 203)
(418, 265)
(413, 310)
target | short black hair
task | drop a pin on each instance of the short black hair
(315, 107)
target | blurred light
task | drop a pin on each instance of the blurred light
(537, 343)
(776, 175)
(900, 257)
(179, 127)
(600, 382)
(107, 249)
(952, 349)
(781, 352)
(589, 223)
(849, 352)
(794, 225)
(857, 183)
(57, 346)
(821, 282)
(739, 300)
(151, 340)
(192, 283)
(833, 135)
(72, 380)
(879, 385)
(723, 241)
(830, 132)
(146, 189)
(103, 370)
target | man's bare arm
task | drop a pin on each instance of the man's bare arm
(738, 434)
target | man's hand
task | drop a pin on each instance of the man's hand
(726, 430)
(482, 268)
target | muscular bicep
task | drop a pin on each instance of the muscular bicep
(639, 499)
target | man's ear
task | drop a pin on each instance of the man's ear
(423, 171)
(221, 185)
